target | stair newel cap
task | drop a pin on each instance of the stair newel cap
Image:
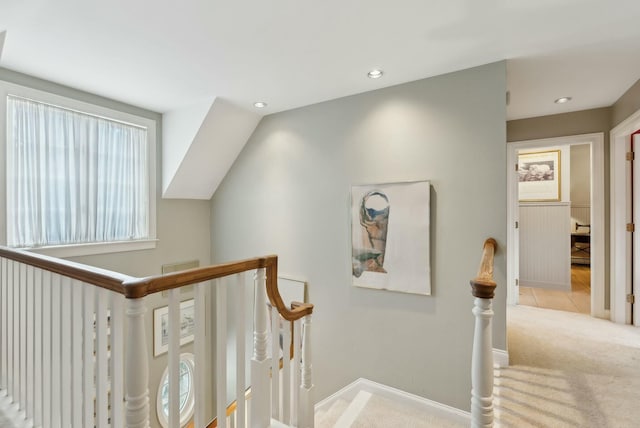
(482, 289)
(483, 286)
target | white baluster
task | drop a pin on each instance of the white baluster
(306, 385)
(136, 366)
(286, 373)
(240, 350)
(200, 373)
(275, 363)
(4, 307)
(102, 360)
(56, 381)
(260, 404)
(76, 364)
(295, 404)
(173, 364)
(29, 360)
(117, 359)
(38, 379)
(11, 326)
(65, 359)
(23, 335)
(88, 355)
(221, 352)
(47, 333)
(482, 366)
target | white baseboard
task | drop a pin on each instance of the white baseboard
(350, 391)
(500, 358)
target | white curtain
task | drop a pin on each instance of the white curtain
(73, 177)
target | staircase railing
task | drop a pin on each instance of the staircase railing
(482, 288)
(73, 344)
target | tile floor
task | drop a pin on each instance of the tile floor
(576, 300)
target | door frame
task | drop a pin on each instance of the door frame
(620, 241)
(596, 142)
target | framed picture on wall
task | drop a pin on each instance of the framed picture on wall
(161, 326)
(390, 236)
(539, 176)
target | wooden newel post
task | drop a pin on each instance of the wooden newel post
(136, 367)
(482, 288)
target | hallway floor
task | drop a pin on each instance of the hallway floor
(568, 370)
(576, 300)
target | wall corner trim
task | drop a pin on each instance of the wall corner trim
(500, 358)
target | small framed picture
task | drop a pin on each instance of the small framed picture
(539, 176)
(161, 326)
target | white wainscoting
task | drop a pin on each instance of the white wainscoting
(545, 243)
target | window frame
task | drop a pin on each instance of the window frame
(187, 412)
(80, 249)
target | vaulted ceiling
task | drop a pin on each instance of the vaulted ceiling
(171, 56)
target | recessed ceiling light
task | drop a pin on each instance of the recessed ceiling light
(260, 104)
(562, 100)
(375, 74)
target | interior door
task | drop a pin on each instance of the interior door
(516, 233)
(513, 239)
(634, 289)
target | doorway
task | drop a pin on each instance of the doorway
(596, 209)
(625, 264)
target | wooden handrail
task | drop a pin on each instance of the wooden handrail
(483, 285)
(140, 287)
(135, 288)
(102, 278)
(296, 312)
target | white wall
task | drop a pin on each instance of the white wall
(288, 193)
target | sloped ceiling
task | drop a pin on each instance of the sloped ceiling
(200, 144)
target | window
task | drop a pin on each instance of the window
(80, 178)
(186, 392)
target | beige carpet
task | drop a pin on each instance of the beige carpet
(382, 412)
(376, 411)
(568, 370)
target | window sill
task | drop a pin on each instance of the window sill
(74, 250)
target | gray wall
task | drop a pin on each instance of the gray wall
(183, 227)
(288, 193)
(559, 125)
(580, 174)
(626, 105)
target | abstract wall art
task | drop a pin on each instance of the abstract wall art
(390, 237)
